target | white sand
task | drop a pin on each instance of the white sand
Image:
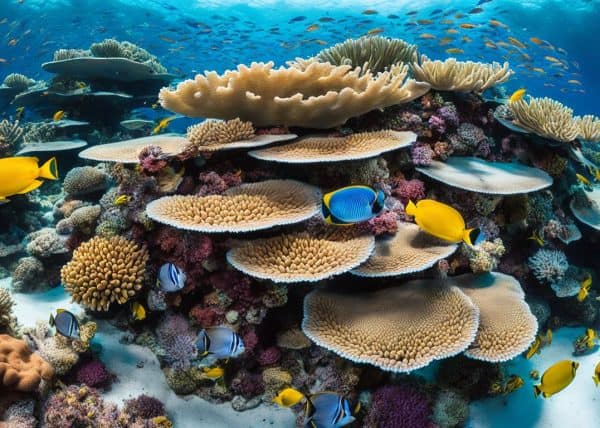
(185, 412)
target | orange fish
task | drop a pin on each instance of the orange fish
(516, 43)
(426, 36)
(496, 23)
(491, 45)
(536, 40)
(424, 21)
(311, 28)
(451, 31)
(468, 26)
(454, 51)
(375, 31)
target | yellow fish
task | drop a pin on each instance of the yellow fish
(516, 43)
(312, 28)
(584, 289)
(556, 378)
(517, 95)
(138, 311)
(534, 349)
(468, 26)
(574, 82)
(537, 238)
(596, 376)
(583, 180)
(534, 374)
(426, 36)
(58, 115)
(551, 59)
(539, 70)
(122, 200)
(214, 373)
(454, 51)
(442, 221)
(288, 397)
(162, 124)
(375, 31)
(19, 175)
(514, 382)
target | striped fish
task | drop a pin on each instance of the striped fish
(220, 342)
(352, 204)
(170, 278)
(66, 324)
(328, 410)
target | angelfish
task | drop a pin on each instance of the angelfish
(66, 324)
(328, 410)
(220, 342)
(352, 204)
(170, 278)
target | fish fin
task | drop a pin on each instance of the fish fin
(327, 199)
(596, 380)
(51, 320)
(4, 200)
(537, 390)
(410, 208)
(49, 170)
(471, 236)
(34, 185)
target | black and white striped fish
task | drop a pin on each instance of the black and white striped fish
(221, 342)
(170, 278)
(66, 324)
(328, 410)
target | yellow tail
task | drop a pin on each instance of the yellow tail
(596, 380)
(49, 170)
(536, 391)
(411, 208)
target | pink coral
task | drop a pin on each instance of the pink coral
(269, 356)
(237, 287)
(405, 190)
(206, 316)
(250, 340)
(152, 159)
(247, 384)
(93, 373)
(386, 222)
(212, 183)
(422, 154)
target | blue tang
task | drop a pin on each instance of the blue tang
(352, 204)
(220, 342)
(328, 410)
(170, 278)
(66, 324)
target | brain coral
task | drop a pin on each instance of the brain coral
(409, 250)
(83, 180)
(301, 256)
(331, 149)
(20, 369)
(398, 329)
(318, 96)
(506, 327)
(105, 270)
(243, 208)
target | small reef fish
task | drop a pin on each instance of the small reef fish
(443, 221)
(311, 28)
(556, 378)
(328, 410)
(452, 31)
(369, 12)
(467, 26)
(19, 175)
(596, 376)
(375, 31)
(534, 374)
(426, 36)
(20, 112)
(535, 236)
(517, 95)
(536, 40)
(496, 23)
(288, 397)
(585, 342)
(221, 342)
(583, 180)
(513, 383)
(352, 204)
(424, 21)
(138, 312)
(170, 278)
(454, 51)
(574, 82)
(66, 324)
(516, 43)
(540, 342)
(476, 10)
(584, 288)
(214, 372)
(163, 124)
(121, 200)
(58, 115)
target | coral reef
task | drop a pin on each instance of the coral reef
(11, 135)
(398, 406)
(20, 369)
(18, 82)
(84, 180)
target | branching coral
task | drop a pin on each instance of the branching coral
(548, 265)
(545, 117)
(10, 136)
(453, 75)
(105, 270)
(18, 81)
(320, 96)
(589, 128)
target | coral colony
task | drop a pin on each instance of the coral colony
(210, 249)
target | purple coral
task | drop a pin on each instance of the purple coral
(144, 407)
(93, 373)
(269, 356)
(422, 155)
(386, 222)
(215, 184)
(408, 190)
(398, 406)
(152, 159)
(78, 406)
(437, 124)
(449, 115)
(178, 341)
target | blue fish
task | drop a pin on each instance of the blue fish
(66, 324)
(352, 204)
(328, 410)
(220, 342)
(170, 278)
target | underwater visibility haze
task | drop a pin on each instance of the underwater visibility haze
(380, 214)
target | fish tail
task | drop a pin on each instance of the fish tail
(51, 320)
(411, 208)
(471, 235)
(49, 170)
(596, 380)
(536, 391)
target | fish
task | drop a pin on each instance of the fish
(496, 23)
(58, 115)
(163, 124)
(596, 376)
(536, 40)
(537, 238)
(491, 45)
(468, 26)
(213, 373)
(556, 378)
(121, 200)
(446, 22)
(451, 31)
(534, 348)
(66, 324)
(516, 43)
(220, 342)
(297, 19)
(513, 383)
(534, 374)
(328, 410)
(327, 19)
(375, 31)
(19, 113)
(170, 278)
(288, 397)
(167, 39)
(552, 59)
(426, 36)
(454, 51)
(424, 21)
(19, 175)
(476, 10)
(138, 312)
(443, 221)
(517, 95)
(574, 82)
(369, 12)
(312, 28)
(352, 204)
(583, 180)
(585, 342)
(539, 70)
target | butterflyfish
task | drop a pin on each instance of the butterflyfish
(19, 175)
(170, 278)
(163, 124)
(517, 95)
(122, 200)
(65, 323)
(58, 115)
(584, 288)
(596, 376)
(288, 397)
(214, 372)
(352, 204)
(556, 378)
(328, 410)
(221, 342)
(443, 221)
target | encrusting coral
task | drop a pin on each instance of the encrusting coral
(83, 180)
(20, 369)
(320, 96)
(460, 76)
(105, 270)
(7, 320)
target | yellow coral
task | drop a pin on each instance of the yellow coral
(545, 117)
(589, 128)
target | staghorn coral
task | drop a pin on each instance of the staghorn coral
(459, 76)
(380, 53)
(589, 127)
(548, 265)
(20, 369)
(18, 81)
(397, 329)
(105, 270)
(243, 208)
(301, 256)
(83, 180)
(545, 117)
(361, 145)
(289, 96)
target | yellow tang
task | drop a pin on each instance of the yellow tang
(213, 373)
(442, 221)
(517, 95)
(534, 348)
(58, 115)
(138, 311)
(556, 378)
(288, 397)
(19, 175)
(596, 376)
